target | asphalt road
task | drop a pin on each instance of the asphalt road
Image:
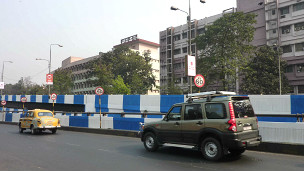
(89, 152)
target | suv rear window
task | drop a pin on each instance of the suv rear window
(243, 108)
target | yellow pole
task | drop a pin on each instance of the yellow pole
(53, 108)
(99, 111)
(23, 109)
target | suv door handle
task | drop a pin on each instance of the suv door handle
(199, 123)
(176, 123)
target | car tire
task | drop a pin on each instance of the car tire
(212, 149)
(33, 131)
(150, 142)
(54, 131)
(20, 129)
(237, 152)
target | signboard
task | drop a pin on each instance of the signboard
(199, 81)
(3, 102)
(23, 99)
(49, 79)
(99, 91)
(1, 85)
(191, 65)
(129, 39)
(54, 96)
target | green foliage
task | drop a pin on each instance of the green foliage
(225, 49)
(62, 82)
(25, 86)
(119, 87)
(133, 68)
(262, 73)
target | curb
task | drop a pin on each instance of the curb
(294, 149)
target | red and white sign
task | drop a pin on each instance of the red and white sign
(23, 99)
(191, 65)
(49, 79)
(199, 81)
(54, 96)
(1, 85)
(99, 91)
(3, 102)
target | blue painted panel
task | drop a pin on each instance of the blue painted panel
(276, 119)
(45, 99)
(68, 114)
(33, 98)
(166, 101)
(297, 104)
(131, 103)
(127, 123)
(79, 121)
(6, 97)
(78, 99)
(60, 99)
(14, 98)
(114, 115)
(8, 117)
(154, 116)
(104, 103)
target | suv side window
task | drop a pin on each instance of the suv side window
(215, 110)
(193, 112)
(174, 114)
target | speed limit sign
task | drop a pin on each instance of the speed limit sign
(99, 91)
(199, 81)
(54, 96)
(23, 99)
(3, 102)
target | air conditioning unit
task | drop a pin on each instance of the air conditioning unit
(283, 16)
(287, 31)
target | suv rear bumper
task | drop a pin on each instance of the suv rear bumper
(236, 141)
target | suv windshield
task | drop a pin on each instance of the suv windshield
(243, 108)
(45, 114)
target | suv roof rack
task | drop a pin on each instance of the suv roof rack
(209, 95)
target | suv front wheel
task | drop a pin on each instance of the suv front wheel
(212, 149)
(150, 142)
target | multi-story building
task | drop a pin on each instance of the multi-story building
(80, 74)
(143, 46)
(282, 24)
(174, 48)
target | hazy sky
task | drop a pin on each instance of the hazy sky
(83, 27)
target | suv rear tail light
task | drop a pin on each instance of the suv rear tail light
(232, 121)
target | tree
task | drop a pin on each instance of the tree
(262, 73)
(62, 82)
(119, 87)
(133, 68)
(225, 49)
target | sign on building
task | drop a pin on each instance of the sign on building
(191, 66)
(49, 79)
(129, 39)
(1, 85)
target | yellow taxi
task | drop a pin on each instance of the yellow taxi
(39, 120)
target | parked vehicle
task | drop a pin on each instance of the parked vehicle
(216, 122)
(39, 120)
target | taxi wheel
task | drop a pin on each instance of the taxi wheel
(33, 131)
(54, 131)
(20, 129)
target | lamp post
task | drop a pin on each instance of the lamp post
(189, 36)
(50, 62)
(279, 63)
(2, 76)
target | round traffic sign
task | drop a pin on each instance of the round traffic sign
(199, 81)
(23, 99)
(99, 91)
(3, 102)
(54, 96)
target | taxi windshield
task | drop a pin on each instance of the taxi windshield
(45, 114)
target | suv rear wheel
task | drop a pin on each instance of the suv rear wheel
(212, 149)
(150, 142)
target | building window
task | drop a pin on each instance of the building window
(176, 37)
(200, 31)
(185, 49)
(299, 47)
(193, 48)
(177, 51)
(273, 12)
(289, 69)
(285, 29)
(300, 89)
(284, 11)
(299, 6)
(300, 68)
(184, 35)
(299, 26)
(287, 49)
(274, 31)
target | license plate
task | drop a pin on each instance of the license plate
(246, 128)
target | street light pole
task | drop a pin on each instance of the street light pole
(189, 36)
(50, 62)
(2, 76)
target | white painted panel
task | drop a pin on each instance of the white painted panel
(115, 103)
(89, 101)
(94, 122)
(28, 98)
(39, 98)
(147, 120)
(18, 98)
(64, 120)
(16, 117)
(2, 116)
(69, 99)
(10, 98)
(150, 103)
(185, 98)
(106, 122)
(271, 104)
(132, 116)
